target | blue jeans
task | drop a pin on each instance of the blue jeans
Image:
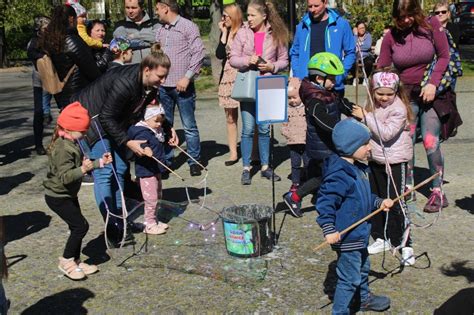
(46, 103)
(352, 279)
(186, 102)
(248, 124)
(106, 188)
(430, 126)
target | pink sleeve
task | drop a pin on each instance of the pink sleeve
(238, 59)
(389, 126)
(385, 58)
(442, 51)
(282, 59)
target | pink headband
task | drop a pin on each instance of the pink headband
(386, 79)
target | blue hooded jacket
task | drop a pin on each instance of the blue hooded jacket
(339, 40)
(344, 198)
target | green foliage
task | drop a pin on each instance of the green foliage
(15, 15)
(375, 15)
(204, 26)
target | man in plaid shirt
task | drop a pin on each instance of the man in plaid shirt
(180, 40)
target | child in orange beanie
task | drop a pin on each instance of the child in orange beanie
(66, 167)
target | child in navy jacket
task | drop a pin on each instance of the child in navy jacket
(344, 198)
(147, 169)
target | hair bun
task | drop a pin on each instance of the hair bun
(156, 48)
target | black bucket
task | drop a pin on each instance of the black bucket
(247, 230)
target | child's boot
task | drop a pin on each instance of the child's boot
(71, 269)
(86, 268)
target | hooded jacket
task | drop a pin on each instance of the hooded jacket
(344, 198)
(339, 40)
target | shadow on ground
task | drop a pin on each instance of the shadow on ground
(466, 203)
(65, 302)
(11, 182)
(24, 224)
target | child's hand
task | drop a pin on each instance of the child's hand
(253, 60)
(358, 112)
(174, 140)
(266, 67)
(107, 158)
(86, 166)
(387, 204)
(333, 238)
(148, 152)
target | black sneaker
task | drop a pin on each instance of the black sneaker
(295, 207)
(135, 227)
(40, 150)
(376, 303)
(195, 170)
(246, 179)
(268, 174)
(87, 180)
(115, 235)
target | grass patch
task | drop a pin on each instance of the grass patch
(205, 84)
(468, 68)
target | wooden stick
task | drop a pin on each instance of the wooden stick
(165, 166)
(426, 181)
(197, 162)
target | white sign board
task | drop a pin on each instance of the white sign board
(272, 99)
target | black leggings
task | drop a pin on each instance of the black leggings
(38, 116)
(396, 219)
(69, 210)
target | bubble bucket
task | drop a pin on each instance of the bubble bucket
(247, 230)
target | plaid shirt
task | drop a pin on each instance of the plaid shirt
(182, 43)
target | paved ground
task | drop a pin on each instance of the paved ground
(188, 270)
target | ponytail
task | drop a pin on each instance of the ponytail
(280, 33)
(53, 139)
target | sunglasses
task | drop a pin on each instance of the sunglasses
(440, 12)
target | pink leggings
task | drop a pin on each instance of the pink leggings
(151, 191)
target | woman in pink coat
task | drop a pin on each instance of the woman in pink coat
(262, 45)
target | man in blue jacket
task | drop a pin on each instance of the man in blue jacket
(322, 30)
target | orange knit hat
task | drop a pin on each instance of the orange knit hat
(74, 117)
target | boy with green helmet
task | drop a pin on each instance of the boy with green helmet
(323, 109)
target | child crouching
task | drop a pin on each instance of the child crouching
(295, 132)
(344, 198)
(147, 169)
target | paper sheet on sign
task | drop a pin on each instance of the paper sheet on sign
(272, 99)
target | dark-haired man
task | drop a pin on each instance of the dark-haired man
(137, 27)
(180, 40)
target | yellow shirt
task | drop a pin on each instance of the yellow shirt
(94, 43)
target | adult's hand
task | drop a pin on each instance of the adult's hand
(266, 67)
(135, 146)
(358, 112)
(222, 27)
(428, 93)
(174, 140)
(182, 84)
(253, 60)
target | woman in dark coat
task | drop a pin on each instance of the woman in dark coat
(116, 101)
(66, 49)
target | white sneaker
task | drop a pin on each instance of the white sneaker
(379, 246)
(408, 256)
(354, 82)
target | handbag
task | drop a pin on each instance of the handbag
(453, 70)
(244, 86)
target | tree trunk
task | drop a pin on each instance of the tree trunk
(3, 49)
(214, 37)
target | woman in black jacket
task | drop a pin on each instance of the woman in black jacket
(66, 49)
(116, 101)
(97, 29)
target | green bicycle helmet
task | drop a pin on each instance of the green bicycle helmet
(325, 63)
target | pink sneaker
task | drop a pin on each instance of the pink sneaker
(436, 202)
(154, 229)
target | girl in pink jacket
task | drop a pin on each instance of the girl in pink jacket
(261, 44)
(391, 144)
